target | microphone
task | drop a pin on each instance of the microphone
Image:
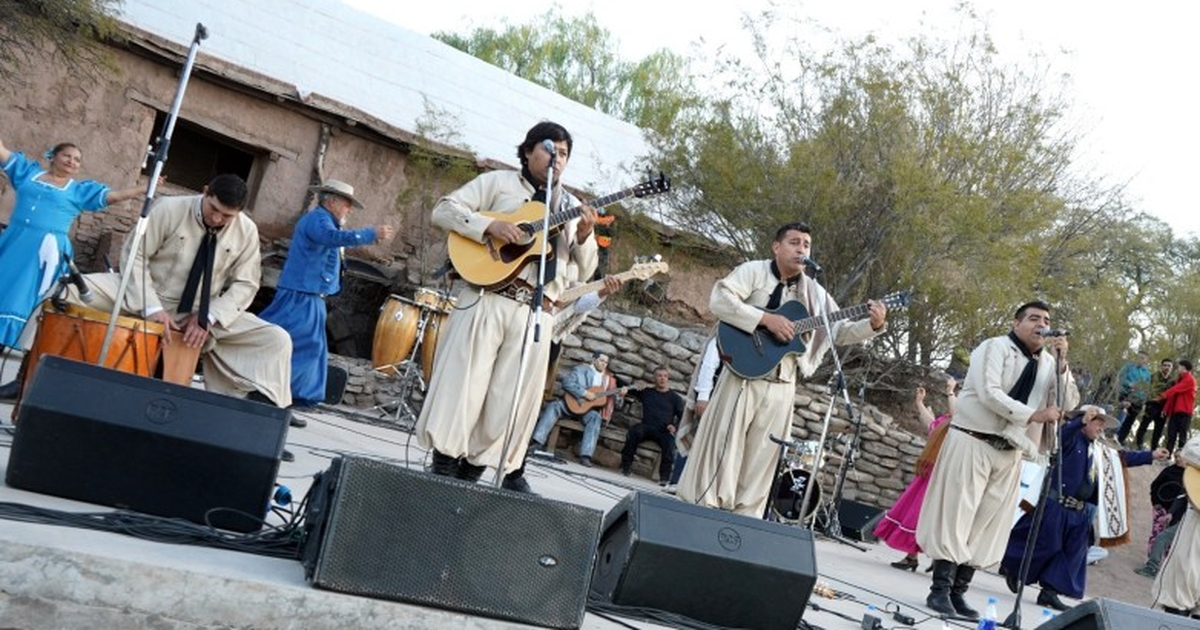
(1053, 332)
(812, 265)
(76, 278)
(548, 145)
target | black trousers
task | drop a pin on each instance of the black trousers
(1177, 429)
(1152, 417)
(1131, 415)
(641, 432)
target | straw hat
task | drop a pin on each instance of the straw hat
(1109, 421)
(339, 188)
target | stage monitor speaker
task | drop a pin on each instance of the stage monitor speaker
(712, 566)
(98, 435)
(858, 520)
(383, 531)
(1109, 614)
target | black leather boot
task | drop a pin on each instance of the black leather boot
(962, 581)
(516, 482)
(939, 591)
(444, 465)
(1049, 598)
(470, 472)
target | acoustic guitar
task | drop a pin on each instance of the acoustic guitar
(493, 264)
(580, 406)
(755, 354)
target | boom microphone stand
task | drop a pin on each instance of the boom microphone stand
(160, 158)
(1014, 618)
(534, 324)
(833, 525)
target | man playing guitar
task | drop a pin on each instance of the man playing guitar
(589, 391)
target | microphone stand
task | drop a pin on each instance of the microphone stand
(160, 158)
(1014, 618)
(833, 525)
(534, 323)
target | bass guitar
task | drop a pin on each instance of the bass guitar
(493, 264)
(755, 354)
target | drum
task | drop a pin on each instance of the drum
(434, 300)
(77, 332)
(429, 342)
(789, 492)
(179, 360)
(805, 454)
(395, 331)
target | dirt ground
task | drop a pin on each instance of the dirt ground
(1113, 577)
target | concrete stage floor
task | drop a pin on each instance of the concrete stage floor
(55, 576)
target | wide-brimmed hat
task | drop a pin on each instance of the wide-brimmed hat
(1109, 421)
(339, 188)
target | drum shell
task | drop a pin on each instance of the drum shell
(77, 332)
(395, 332)
(786, 501)
(434, 329)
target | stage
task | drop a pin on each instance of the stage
(67, 577)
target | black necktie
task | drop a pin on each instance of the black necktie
(777, 295)
(201, 274)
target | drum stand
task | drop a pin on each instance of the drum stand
(402, 412)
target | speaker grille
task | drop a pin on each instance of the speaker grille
(398, 534)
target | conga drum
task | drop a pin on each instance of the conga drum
(395, 331)
(429, 341)
(77, 332)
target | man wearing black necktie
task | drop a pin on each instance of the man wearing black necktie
(731, 462)
(196, 271)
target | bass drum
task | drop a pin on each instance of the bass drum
(789, 492)
(395, 332)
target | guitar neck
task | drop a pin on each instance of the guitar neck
(574, 293)
(813, 323)
(562, 216)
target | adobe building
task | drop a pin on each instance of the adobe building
(287, 93)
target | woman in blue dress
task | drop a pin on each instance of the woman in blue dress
(33, 246)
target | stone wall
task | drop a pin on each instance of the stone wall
(886, 455)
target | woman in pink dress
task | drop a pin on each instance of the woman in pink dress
(898, 527)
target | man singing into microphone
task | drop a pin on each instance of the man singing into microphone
(478, 368)
(966, 516)
(732, 459)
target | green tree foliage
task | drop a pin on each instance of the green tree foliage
(578, 59)
(58, 31)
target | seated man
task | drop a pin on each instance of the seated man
(588, 388)
(201, 258)
(662, 410)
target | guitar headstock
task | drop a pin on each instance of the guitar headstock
(652, 187)
(898, 299)
(645, 271)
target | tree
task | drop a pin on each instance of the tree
(62, 31)
(578, 59)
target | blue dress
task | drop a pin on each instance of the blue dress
(33, 245)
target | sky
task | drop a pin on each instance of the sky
(1131, 64)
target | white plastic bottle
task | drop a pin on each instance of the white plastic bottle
(988, 620)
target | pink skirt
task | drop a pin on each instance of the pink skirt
(898, 528)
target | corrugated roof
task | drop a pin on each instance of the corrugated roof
(330, 51)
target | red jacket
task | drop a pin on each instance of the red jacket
(1180, 397)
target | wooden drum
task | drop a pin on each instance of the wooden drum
(395, 332)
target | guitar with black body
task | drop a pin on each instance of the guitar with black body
(755, 355)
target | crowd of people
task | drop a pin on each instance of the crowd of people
(198, 269)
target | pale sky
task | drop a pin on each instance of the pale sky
(1132, 64)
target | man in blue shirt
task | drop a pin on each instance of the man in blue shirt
(311, 272)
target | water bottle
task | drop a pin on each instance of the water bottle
(1047, 615)
(988, 620)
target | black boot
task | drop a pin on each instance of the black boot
(1049, 598)
(470, 472)
(516, 482)
(962, 581)
(444, 465)
(939, 591)
(9, 390)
